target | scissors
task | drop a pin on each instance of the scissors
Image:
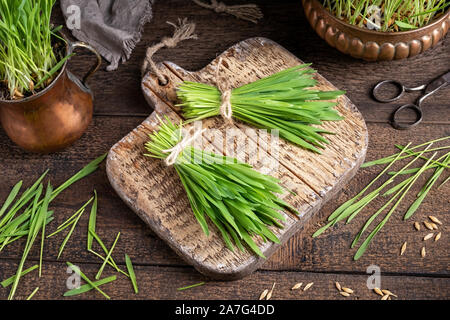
(428, 90)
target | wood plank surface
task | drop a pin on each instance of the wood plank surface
(120, 107)
(297, 254)
(153, 284)
(285, 24)
(155, 192)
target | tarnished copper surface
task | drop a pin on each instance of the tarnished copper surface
(373, 45)
(53, 118)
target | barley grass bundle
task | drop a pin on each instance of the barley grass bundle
(283, 101)
(240, 201)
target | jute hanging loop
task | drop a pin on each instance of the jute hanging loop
(183, 31)
(178, 148)
(226, 110)
(249, 12)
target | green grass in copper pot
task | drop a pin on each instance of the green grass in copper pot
(394, 15)
(28, 57)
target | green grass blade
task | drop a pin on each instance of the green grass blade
(366, 242)
(33, 293)
(105, 250)
(72, 220)
(131, 273)
(85, 278)
(110, 262)
(443, 183)
(99, 273)
(69, 234)
(92, 222)
(43, 216)
(191, 286)
(87, 287)
(7, 282)
(15, 190)
(416, 204)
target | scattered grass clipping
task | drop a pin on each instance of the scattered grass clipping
(85, 278)
(88, 287)
(131, 273)
(191, 286)
(28, 215)
(395, 194)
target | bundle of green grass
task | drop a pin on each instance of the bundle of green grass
(240, 201)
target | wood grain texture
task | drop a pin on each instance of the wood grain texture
(155, 193)
(285, 24)
(327, 253)
(153, 284)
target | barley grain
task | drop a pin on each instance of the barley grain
(309, 285)
(348, 290)
(338, 286)
(297, 286)
(428, 225)
(428, 236)
(438, 236)
(385, 291)
(403, 248)
(269, 295)
(263, 294)
(435, 220)
(378, 291)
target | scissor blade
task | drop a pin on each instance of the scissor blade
(438, 83)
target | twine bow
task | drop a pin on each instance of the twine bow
(225, 107)
(183, 31)
(249, 12)
(180, 146)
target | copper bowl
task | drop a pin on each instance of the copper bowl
(374, 45)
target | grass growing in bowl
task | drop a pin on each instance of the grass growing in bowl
(30, 49)
(387, 15)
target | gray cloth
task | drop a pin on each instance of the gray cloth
(113, 27)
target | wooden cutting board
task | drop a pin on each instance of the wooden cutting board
(155, 193)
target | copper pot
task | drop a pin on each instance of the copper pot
(374, 45)
(55, 117)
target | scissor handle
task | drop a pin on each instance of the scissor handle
(376, 91)
(407, 126)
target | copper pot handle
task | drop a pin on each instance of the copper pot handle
(94, 68)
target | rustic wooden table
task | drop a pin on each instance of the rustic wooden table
(120, 107)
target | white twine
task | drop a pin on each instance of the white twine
(225, 107)
(179, 147)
